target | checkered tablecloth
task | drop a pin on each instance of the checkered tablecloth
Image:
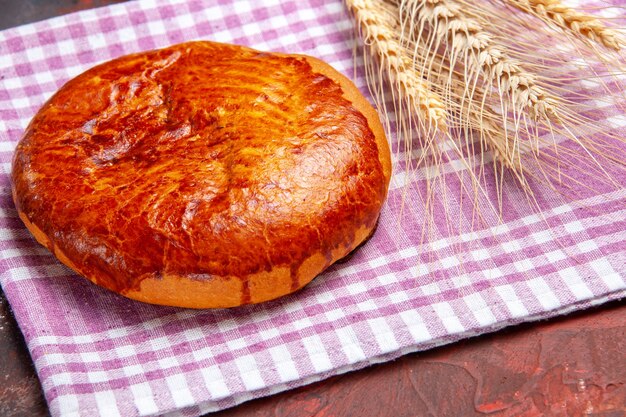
(98, 353)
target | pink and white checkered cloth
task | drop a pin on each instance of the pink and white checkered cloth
(98, 353)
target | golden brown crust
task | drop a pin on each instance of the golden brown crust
(203, 175)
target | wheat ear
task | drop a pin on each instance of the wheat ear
(383, 42)
(584, 25)
(470, 44)
(474, 122)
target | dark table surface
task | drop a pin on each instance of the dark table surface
(573, 366)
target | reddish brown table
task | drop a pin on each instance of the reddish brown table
(573, 366)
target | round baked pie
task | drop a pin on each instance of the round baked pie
(204, 174)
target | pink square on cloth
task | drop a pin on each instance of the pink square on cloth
(97, 353)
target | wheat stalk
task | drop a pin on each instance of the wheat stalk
(470, 44)
(384, 43)
(471, 124)
(472, 120)
(470, 64)
(457, 33)
(497, 93)
(584, 25)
